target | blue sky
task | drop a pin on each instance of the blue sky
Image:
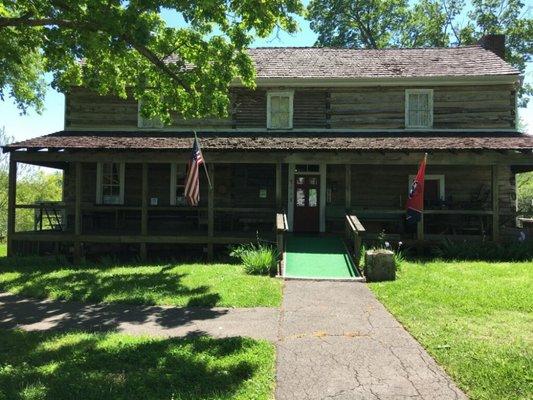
(51, 120)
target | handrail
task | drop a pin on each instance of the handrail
(355, 224)
(282, 227)
(281, 222)
(355, 227)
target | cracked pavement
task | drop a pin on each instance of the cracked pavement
(337, 341)
(334, 340)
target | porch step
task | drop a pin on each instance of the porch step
(318, 257)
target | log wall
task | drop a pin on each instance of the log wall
(372, 189)
(468, 107)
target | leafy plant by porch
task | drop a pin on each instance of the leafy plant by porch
(258, 259)
(475, 318)
(209, 285)
(41, 366)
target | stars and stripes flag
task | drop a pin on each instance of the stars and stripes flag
(415, 200)
(192, 181)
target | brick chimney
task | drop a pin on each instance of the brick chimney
(494, 43)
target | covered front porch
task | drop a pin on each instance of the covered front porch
(133, 197)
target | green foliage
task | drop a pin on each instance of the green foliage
(33, 184)
(100, 366)
(128, 49)
(399, 23)
(258, 259)
(474, 318)
(524, 193)
(488, 251)
(210, 285)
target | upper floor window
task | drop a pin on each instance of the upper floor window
(279, 110)
(110, 183)
(419, 108)
(143, 122)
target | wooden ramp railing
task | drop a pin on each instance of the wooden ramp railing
(282, 227)
(354, 234)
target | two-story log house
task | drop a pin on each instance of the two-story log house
(326, 133)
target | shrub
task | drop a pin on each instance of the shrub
(258, 259)
(487, 251)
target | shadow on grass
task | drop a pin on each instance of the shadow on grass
(44, 277)
(113, 366)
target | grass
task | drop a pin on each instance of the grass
(39, 366)
(3, 249)
(474, 318)
(224, 285)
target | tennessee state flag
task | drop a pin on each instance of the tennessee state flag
(415, 200)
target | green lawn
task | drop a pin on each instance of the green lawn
(3, 249)
(475, 318)
(209, 285)
(38, 366)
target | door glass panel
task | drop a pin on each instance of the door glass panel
(300, 180)
(313, 198)
(300, 197)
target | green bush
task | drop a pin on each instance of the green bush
(485, 251)
(258, 259)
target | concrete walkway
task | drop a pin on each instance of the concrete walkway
(336, 341)
(42, 315)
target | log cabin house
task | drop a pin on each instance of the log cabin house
(329, 136)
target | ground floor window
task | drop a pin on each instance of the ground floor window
(434, 189)
(110, 183)
(178, 174)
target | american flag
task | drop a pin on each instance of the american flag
(192, 182)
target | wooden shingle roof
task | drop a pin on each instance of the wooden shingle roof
(344, 63)
(272, 141)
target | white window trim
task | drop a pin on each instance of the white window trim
(147, 123)
(429, 92)
(99, 179)
(286, 93)
(173, 183)
(438, 177)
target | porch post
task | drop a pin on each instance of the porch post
(144, 209)
(495, 203)
(77, 212)
(420, 228)
(11, 203)
(211, 212)
(278, 187)
(348, 187)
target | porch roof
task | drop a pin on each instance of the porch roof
(278, 141)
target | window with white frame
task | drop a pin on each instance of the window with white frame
(279, 110)
(110, 183)
(178, 174)
(148, 123)
(434, 189)
(419, 108)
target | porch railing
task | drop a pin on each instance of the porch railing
(47, 215)
(354, 234)
(282, 227)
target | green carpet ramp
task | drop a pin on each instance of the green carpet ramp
(319, 257)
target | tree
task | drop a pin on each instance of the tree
(424, 23)
(124, 47)
(33, 184)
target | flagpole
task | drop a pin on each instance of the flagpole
(205, 167)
